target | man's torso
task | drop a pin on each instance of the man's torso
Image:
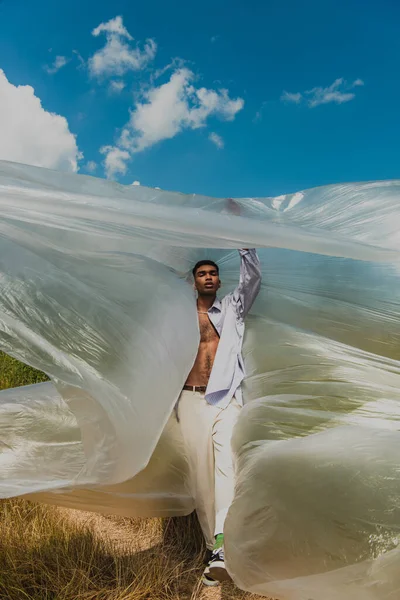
(209, 340)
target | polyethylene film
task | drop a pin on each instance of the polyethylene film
(96, 292)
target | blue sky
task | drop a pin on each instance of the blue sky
(239, 98)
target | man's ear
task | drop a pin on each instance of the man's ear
(220, 283)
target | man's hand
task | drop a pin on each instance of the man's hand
(233, 207)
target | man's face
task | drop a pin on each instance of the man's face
(206, 280)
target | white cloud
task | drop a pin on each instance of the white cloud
(81, 60)
(32, 135)
(115, 160)
(119, 55)
(216, 139)
(59, 63)
(136, 183)
(332, 93)
(174, 106)
(212, 102)
(288, 97)
(338, 92)
(117, 86)
(114, 27)
(165, 111)
(90, 166)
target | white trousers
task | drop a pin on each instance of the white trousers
(207, 432)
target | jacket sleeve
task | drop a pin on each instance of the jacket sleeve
(249, 282)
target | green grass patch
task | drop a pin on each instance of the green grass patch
(14, 373)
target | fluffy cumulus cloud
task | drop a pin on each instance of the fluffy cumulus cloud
(32, 135)
(120, 54)
(166, 110)
(115, 160)
(59, 63)
(216, 139)
(338, 92)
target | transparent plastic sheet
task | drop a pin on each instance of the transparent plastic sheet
(95, 292)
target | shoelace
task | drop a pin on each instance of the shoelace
(218, 554)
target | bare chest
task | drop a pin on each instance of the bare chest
(207, 332)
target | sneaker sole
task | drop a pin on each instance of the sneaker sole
(219, 572)
(208, 582)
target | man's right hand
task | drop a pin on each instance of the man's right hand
(233, 207)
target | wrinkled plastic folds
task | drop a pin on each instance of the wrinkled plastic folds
(95, 292)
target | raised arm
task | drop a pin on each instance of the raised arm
(249, 281)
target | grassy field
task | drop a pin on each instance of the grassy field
(50, 553)
(13, 373)
(47, 554)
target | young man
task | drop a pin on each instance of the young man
(211, 399)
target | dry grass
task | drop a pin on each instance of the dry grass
(48, 553)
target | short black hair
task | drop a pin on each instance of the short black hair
(201, 263)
